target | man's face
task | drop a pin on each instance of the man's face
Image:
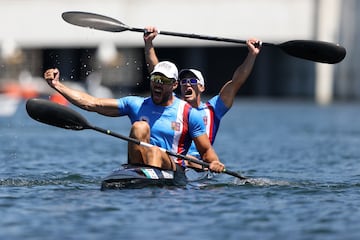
(161, 89)
(190, 88)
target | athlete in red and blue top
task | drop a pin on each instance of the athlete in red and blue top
(211, 112)
(193, 85)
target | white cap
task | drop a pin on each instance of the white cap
(197, 74)
(167, 68)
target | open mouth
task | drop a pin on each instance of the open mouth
(157, 92)
(188, 92)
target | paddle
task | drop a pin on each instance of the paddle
(317, 51)
(58, 115)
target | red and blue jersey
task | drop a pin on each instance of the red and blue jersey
(171, 127)
(211, 112)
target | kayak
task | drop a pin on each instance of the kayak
(140, 176)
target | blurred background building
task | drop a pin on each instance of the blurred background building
(33, 37)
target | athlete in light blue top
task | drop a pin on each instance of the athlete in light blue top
(172, 127)
(193, 85)
(162, 119)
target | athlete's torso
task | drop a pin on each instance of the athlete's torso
(171, 127)
(211, 112)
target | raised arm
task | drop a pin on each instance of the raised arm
(104, 106)
(230, 89)
(150, 54)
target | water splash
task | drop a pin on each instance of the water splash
(263, 182)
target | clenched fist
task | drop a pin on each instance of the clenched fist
(52, 76)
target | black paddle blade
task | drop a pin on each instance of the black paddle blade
(95, 21)
(55, 114)
(318, 51)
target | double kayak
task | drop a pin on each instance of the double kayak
(139, 176)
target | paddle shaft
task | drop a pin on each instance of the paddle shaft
(197, 36)
(318, 51)
(144, 144)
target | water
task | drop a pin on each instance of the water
(303, 161)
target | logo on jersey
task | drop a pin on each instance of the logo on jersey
(175, 126)
(205, 119)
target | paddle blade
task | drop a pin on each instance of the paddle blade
(95, 21)
(54, 114)
(318, 51)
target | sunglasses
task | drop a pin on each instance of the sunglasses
(161, 79)
(192, 81)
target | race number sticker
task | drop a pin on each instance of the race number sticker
(167, 175)
(150, 173)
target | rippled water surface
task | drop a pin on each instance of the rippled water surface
(302, 160)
